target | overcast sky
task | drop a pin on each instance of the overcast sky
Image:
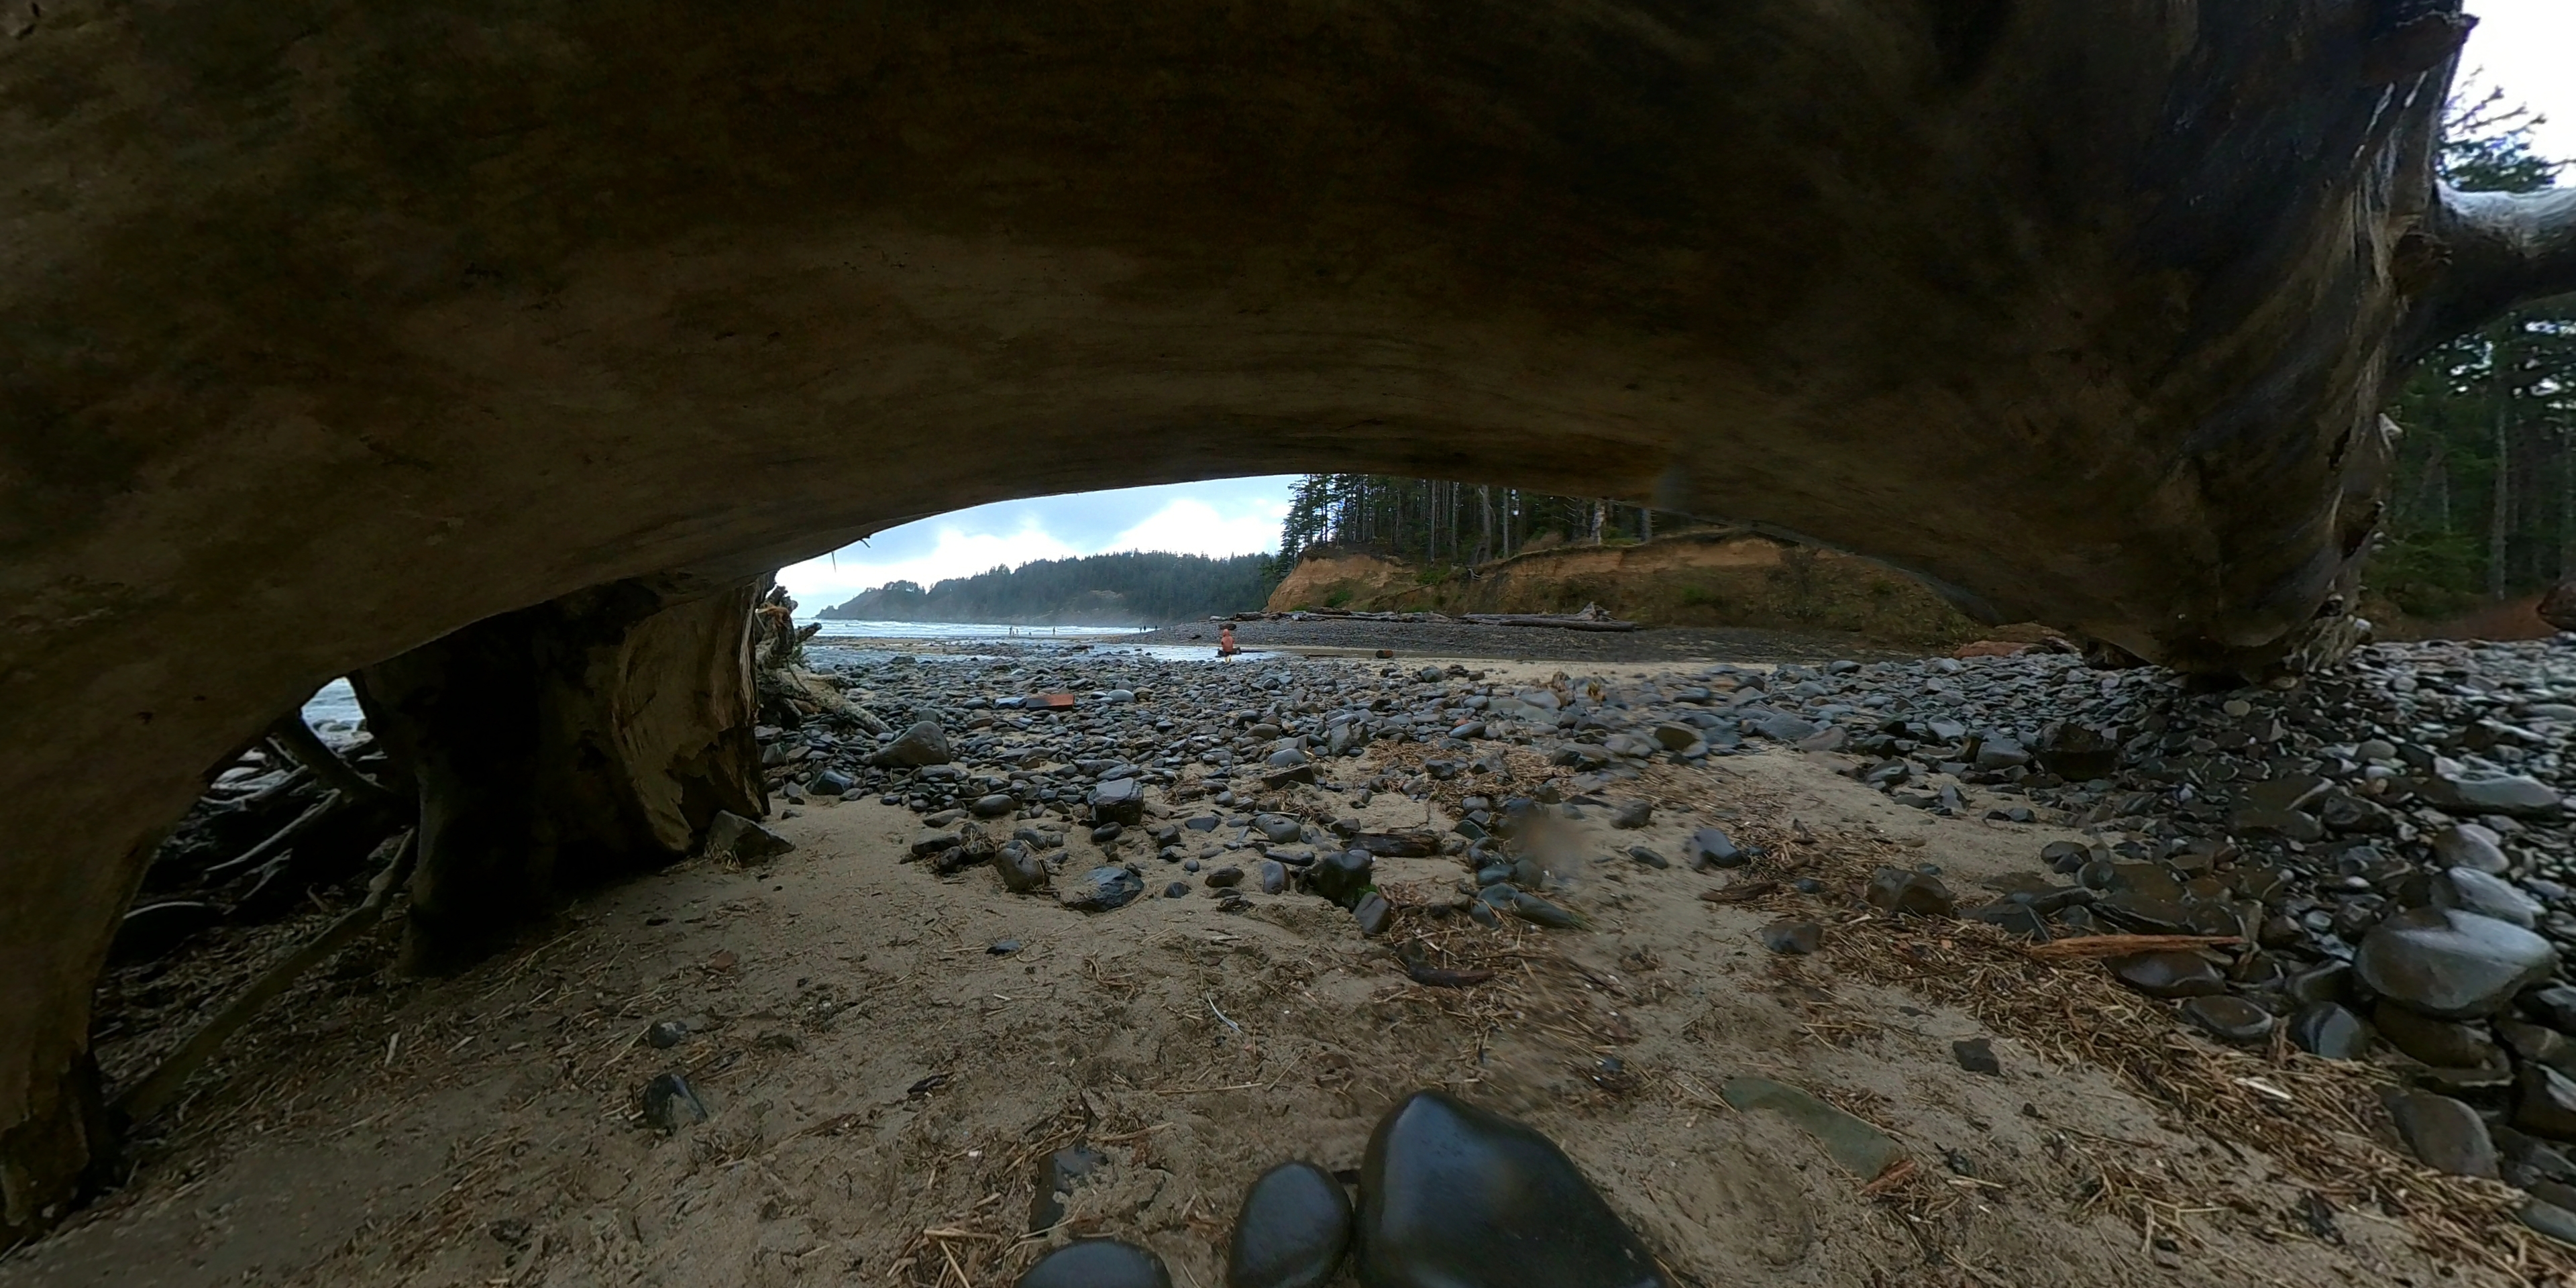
(2528, 47)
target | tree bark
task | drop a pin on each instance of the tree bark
(586, 738)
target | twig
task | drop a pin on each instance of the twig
(1211, 1001)
(156, 1090)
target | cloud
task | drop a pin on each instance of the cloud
(1193, 527)
(1220, 518)
(820, 583)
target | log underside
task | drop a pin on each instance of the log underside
(336, 327)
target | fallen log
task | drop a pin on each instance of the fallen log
(1561, 621)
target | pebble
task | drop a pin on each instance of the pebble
(1292, 1230)
(2229, 1018)
(1104, 889)
(670, 1103)
(2169, 974)
(2448, 1135)
(1097, 1263)
(1452, 1196)
(2443, 1044)
(2451, 964)
(1794, 938)
(2329, 1029)
(1977, 1055)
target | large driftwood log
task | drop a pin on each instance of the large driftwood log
(331, 331)
(589, 737)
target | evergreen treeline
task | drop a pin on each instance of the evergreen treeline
(1433, 521)
(1132, 588)
(2484, 506)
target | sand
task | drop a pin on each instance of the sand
(883, 1084)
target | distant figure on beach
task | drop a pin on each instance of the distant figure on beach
(1225, 647)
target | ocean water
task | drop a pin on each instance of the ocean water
(334, 708)
(835, 630)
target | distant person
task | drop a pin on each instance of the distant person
(1225, 645)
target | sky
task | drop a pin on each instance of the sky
(1227, 517)
(2527, 47)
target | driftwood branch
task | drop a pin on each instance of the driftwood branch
(298, 741)
(281, 838)
(157, 1089)
(2498, 251)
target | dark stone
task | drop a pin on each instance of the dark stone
(2549, 1219)
(1292, 1230)
(1274, 876)
(1894, 890)
(1342, 876)
(1097, 1263)
(2544, 1103)
(1454, 1197)
(671, 1104)
(1177, 890)
(2467, 845)
(2229, 1018)
(666, 1034)
(2079, 753)
(1373, 913)
(1279, 828)
(1977, 1055)
(2447, 1135)
(2450, 964)
(1120, 800)
(1795, 938)
(1021, 870)
(929, 843)
(2288, 824)
(732, 837)
(995, 805)
(2014, 918)
(1711, 848)
(1107, 832)
(2553, 1005)
(1103, 889)
(1224, 877)
(2470, 890)
(832, 782)
(2443, 1044)
(1632, 814)
(973, 847)
(2330, 1029)
(1530, 908)
(2513, 795)
(2533, 1044)
(1648, 857)
(921, 745)
(2169, 974)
